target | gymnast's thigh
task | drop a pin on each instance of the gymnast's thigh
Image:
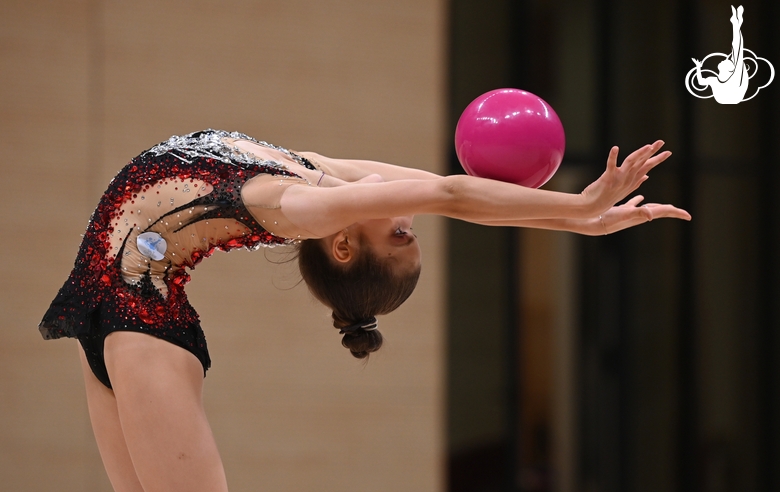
(158, 388)
(108, 432)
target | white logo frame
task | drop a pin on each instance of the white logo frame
(731, 83)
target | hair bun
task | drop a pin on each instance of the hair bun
(361, 338)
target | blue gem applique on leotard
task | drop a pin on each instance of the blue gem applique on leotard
(151, 245)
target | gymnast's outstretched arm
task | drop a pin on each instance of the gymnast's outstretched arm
(613, 220)
(324, 211)
(699, 78)
(352, 170)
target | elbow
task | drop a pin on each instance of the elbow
(452, 194)
(453, 187)
(371, 178)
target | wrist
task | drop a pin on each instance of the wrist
(577, 226)
(591, 226)
(587, 206)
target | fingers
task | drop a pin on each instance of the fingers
(642, 160)
(667, 211)
(655, 147)
(641, 155)
(649, 164)
(618, 182)
(629, 215)
(646, 212)
(635, 200)
(651, 211)
(612, 159)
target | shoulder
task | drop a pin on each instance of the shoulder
(266, 190)
(262, 197)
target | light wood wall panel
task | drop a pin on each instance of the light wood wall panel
(86, 85)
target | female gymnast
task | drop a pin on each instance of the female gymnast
(171, 206)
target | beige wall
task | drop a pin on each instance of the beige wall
(86, 85)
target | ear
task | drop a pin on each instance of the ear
(341, 249)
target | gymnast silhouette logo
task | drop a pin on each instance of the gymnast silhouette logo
(735, 70)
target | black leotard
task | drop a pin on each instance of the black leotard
(184, 195)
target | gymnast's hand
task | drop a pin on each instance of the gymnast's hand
(618, 182)
(631, 214)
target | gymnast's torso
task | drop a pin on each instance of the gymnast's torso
(188, 205)
(163, 213)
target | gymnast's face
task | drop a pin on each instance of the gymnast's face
(390, 239)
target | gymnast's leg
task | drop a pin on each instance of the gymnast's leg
(736, 39)
(108, 432)
(158, 388)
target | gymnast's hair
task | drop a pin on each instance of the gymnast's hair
(356, 292)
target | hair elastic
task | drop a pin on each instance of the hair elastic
(368, 324)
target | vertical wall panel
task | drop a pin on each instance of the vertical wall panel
(98, 82)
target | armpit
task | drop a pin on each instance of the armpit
(262, 197)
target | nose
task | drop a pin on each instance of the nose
(405, 222)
